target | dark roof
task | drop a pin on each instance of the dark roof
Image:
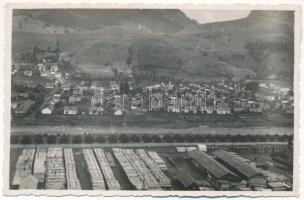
(185, 179)
(210, 164)
(236, 163)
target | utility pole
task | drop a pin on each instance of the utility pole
(205, 105)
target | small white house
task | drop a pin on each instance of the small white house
(48, 110)
(118, 112)
(70, 110)
(54, 68)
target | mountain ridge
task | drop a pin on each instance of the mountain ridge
(161, 40)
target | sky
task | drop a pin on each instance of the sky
(207, 16)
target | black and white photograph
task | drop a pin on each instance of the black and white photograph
(140, 99)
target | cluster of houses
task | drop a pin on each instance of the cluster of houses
(20, 103)
(221, 97)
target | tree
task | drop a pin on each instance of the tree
(168, 138)
(100, 139)
(89, 139)
(146, 138)
(26, 139)
(189, 138)
(51, 139)
(112, 138)
(38, 139)
(77, 139)
(252, 86)
(14, 139)
(124, 138)
(156, 139)
(64, 139)
(134, 138)
(178, 138)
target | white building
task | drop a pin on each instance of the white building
(118, 112)
(70, 110)
(48, 109)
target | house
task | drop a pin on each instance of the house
(58, 74)
(56, 98)
(223, 108)
(77, 92)
(28, 73)
(114, 86)
(74, 99)
(270, 97)
(41, 67)
(217, 174)
(279, 186)
(209, 109)
(24, 107)
(54, 68)
(66, 86)
(14, 104)
(118, 112)
(23, 95)
(255, 110)
(241, 168)
(48, 109)
(44, 74)
(49, 85)
(70, 110)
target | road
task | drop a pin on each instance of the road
(143, 145)
(76, 130)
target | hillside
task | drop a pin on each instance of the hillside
(163, 41)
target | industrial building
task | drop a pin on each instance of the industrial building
(241, 168)
(217, 174)
(186, 181)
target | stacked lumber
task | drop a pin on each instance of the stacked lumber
(55, 171)
(110, 179)
(40, 164)
(24, 166)
(160, 162)
(94, 171)
(70, 170)
(129, 170)
(162, 179)
(149, 181)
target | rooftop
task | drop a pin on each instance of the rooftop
(206, 161)
(237, 163)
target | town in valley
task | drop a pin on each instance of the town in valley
(116, 103)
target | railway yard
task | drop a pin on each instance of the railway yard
(143, 168)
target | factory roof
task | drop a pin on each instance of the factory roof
(185, 179)
(237, 163)
(210, 164)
